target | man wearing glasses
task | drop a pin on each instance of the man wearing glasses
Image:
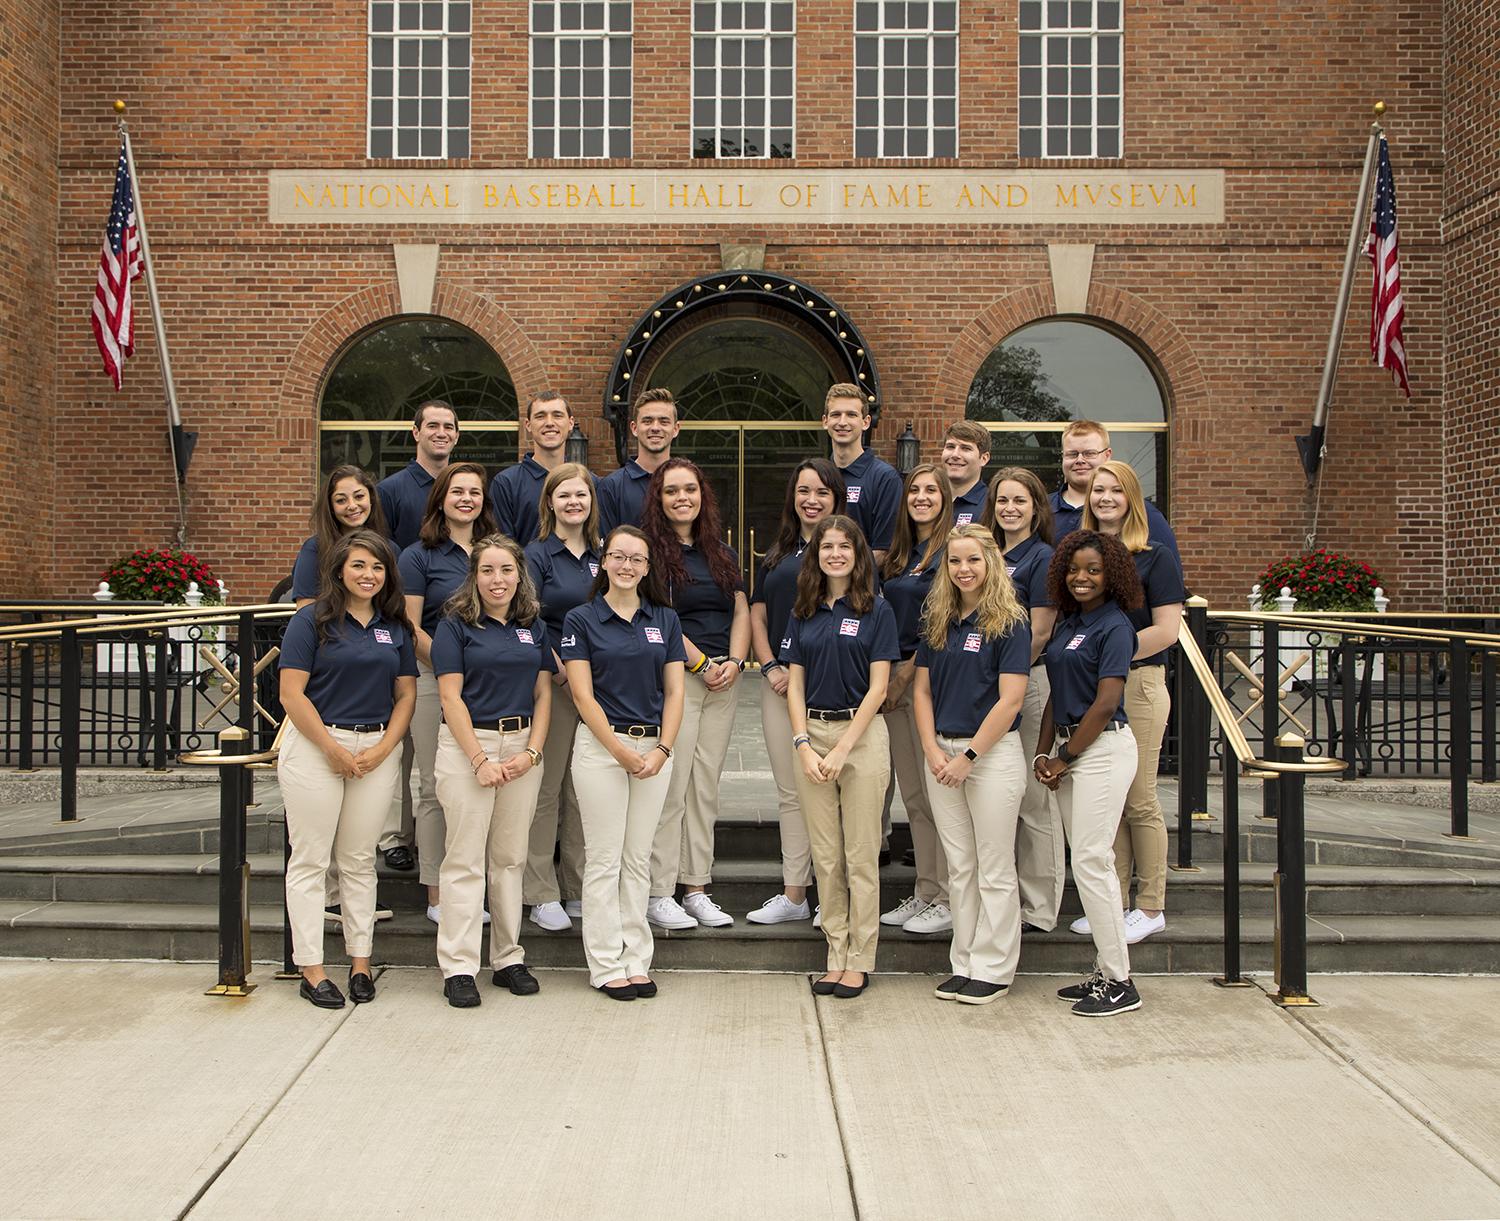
(1085, 445)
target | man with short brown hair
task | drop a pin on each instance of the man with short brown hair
(516, 492)
(966, 452)
(403, 496)
(654, 425)
(874, 487)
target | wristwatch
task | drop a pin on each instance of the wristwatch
(536, 756)
(739, 661)
(1064, 754)
(970, 754)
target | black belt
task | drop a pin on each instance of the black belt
(832, 714)
(1136, 665)
(638, 731)
(359, 726)
(506, 724)
(1067, 731)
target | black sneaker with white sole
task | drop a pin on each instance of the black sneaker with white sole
(1112, 996)
(1074, 993)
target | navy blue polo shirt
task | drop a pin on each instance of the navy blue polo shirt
(906, 592)
(970, 506)
(499, 662)
(305, 573)
(622, 497)
(434, 575)
(515, 498)
(1084, 649)
(705, 610)
(1027, 564)
(1066, 519)
(625, 656)
(776, 589)
(403, 498)
(965, 674)
(562, 579)
(836, 648)
(351, 676)
(1161, 581)
(874, 498)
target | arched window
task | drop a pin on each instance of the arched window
(1049, 373)
(376, 385)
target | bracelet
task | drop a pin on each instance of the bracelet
(701, 666)
(801, 740)
(482, 760)
(666, 750)
(1034, 758)
(767, 666)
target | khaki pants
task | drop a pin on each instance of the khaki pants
(556, 814)
(487, 831)
(428, 813)
(620, 817)
(683, 850)
(1040, 858)
(843, 824)
(400, 828)
(776, 724)
(977, 823)
(908, 768)
(1141, 841)
(1091, 799)
(328, 819)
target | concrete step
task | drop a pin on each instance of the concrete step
(1191, 944)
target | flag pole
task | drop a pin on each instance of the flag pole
(180, 440)
(1310, 448)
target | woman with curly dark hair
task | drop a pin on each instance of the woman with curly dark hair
(702, 578)
(1093, 583)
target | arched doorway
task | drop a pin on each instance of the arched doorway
(1049, 373)
(749, 358)
(374, 386)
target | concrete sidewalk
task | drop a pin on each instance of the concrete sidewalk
(130, 1094)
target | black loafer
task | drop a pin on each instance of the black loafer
(948, 989)
(1031, 928)
(325, 996)
(824, 987)
(518, 979)
(848, 991)
(361, 988)
(625, 993)
(646, 990)
(461, 991)
(400, 858)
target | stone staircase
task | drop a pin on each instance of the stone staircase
(1374, 904)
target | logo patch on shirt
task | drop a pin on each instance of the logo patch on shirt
(654, 636)
(853, 494)
(786, 643)
(972, 642)
(569, 641)
(593, 569)
(849, 627)
(1077, 640)
(964, 519)
(523, 634)
(382, 636)
(1010, 569)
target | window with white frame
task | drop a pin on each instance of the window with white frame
(419, 78)
(744, 70)
(580, 78)
(1071, 57)
(905, 78)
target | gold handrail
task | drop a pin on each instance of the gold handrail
(217, 758)
(102, 623)
(1353, 627)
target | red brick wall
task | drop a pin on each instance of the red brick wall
(28, 267)
(1471, 258)
(1237, 314)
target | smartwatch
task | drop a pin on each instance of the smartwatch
(970, 754)
(1063, 753)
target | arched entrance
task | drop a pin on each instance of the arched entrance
(749, 358)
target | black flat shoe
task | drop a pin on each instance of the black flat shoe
(517, 978)
(461, 991)
(1031, 928)
(848, 991)
(646, 990)
(361, 988)
(949, 988)
(824, 987)
(400, 858)
(325, 996)
(625, 993)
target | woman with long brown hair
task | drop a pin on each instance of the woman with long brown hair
(346, 502)
(701, 575)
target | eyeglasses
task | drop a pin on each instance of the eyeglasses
(1070, 454)
(622, 560)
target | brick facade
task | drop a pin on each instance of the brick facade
(1235, 315)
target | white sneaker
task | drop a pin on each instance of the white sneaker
(1081, 926)
(574, 908)
(903, 911)
(818, 916)
(550, 916)
(779, 910)
(664, 912)
(1139, 926)
(934, 918)
(434, 913)
(705, 911)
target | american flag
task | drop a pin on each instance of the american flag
(1386, 308)
(120, 262)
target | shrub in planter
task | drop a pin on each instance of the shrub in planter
(1321, 580)
(160, 574)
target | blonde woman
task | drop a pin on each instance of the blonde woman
(972, 664)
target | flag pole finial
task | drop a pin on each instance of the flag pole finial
(120, 106)
(1379, 109)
